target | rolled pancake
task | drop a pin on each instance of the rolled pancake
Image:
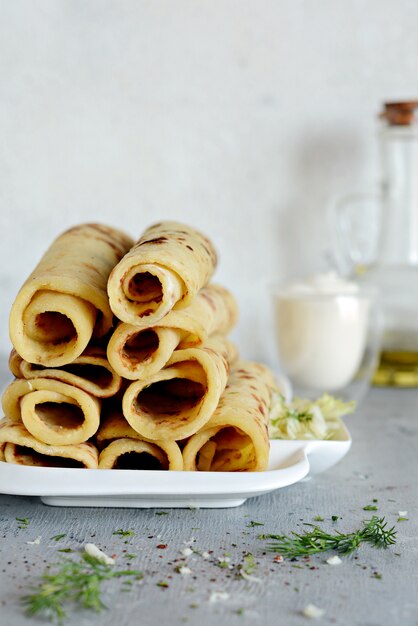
(64, 301)
(140, 353)
(236, 439)
(18, 446)
(124, 448)
(52, 411)
(180, 398)
(164, 269)
(90, 372)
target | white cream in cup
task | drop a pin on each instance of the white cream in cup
(322, 329)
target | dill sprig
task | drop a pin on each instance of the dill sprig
(374, 532)
(72, 582)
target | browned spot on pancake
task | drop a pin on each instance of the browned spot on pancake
(101, 228)
(92, 267)
(157, 240)
(109, 243)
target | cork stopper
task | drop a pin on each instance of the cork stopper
(400, 113)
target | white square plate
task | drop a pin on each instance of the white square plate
(290, 462)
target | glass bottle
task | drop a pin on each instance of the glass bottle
(377, 235)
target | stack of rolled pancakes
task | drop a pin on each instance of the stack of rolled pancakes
(121, 359)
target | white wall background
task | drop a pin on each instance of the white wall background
(242, 117)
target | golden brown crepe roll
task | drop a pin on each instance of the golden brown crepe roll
(235, 439)
(52, 411)
(18, 446)
(180, 398)
(124, 448)
(64, 301)
(90, 371)
(138, 353)
(165, 269)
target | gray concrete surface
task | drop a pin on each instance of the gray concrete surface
(377, 588)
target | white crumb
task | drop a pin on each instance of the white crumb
(187, 551)
(312, 612)
(92, 550)
(402, 513)
(184, 570)
(36, 542)
(205, 555)
(334, 560)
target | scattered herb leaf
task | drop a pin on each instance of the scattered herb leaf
(124, 533)
(23, 521)
(252, 524)
(58, 537)
(249, 565)
(335, 518)
(370, 507)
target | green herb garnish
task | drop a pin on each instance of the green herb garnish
(124, 533)
(252, 524)
(317, 540)
(162, 583)
(370, 507)
(249, 565)
(72, 583)
(23, 521)
(161, 513)
(58, 537)
(306, 419)
(318, 518)
(335, 518)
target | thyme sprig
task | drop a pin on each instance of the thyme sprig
(72, 582)
(374, 532)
